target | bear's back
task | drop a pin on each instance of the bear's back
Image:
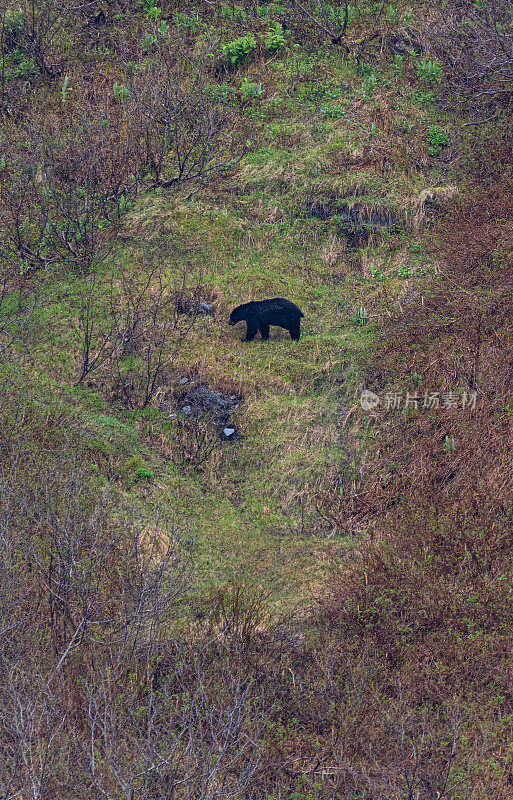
(277, 305)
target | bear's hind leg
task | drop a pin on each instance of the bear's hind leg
(264, 330)
(251, 331)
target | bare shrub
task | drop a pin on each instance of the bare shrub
(475, 41)
(31, 28)
(191, 734)
(18, 300)
(184, 133)
(130, 327)
(61, 193)
(331, 20)
(196, 440)
(88, 589)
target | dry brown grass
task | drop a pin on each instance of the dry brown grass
(457, 338)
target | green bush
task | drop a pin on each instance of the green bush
(151, 8)
(369, 83)
(393, 15)
(364, 70)
(275, 39)
(237, 12)
(223, 93)
(121, 91)
(238, 51)
(186, 22)
(271, 10)
(13, 22)
(22, 64)
(429, 72)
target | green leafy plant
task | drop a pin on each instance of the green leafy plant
(450, 445)
(125, 204)
(398, 66)
(144, 474)
(147, 42)
(233, 12)
(407, 125)
(151, 8)
(22, 64)
(393, 15)
(270, 10)
(422, 98)
(437, 140)
(376, 273)
(429, 72)
(333, 111)
(369, 83)
(238, 51)
(251, 91)
(186, 22)
(364, 70)
(278, 129)
(13, 22)
(121, 91)
(164, 30)
(275, 39)
(223, 93)
(65, 89)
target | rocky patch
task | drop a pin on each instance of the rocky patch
(199, 401)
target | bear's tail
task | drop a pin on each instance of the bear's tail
(301, 314)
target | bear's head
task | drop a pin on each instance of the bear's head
(237, 315)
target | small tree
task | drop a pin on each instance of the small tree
(331, 20)
(182, 133)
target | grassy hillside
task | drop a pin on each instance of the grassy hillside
(317, 605)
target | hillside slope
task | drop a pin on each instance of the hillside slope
(222, 575)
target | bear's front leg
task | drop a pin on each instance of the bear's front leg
(294, 330)
(251, 331)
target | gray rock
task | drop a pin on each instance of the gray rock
(184, 380)
(186, 410)
(205, 307)
(228, 432)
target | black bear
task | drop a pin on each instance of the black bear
(261, 313)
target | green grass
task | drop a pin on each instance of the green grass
(252, 508)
